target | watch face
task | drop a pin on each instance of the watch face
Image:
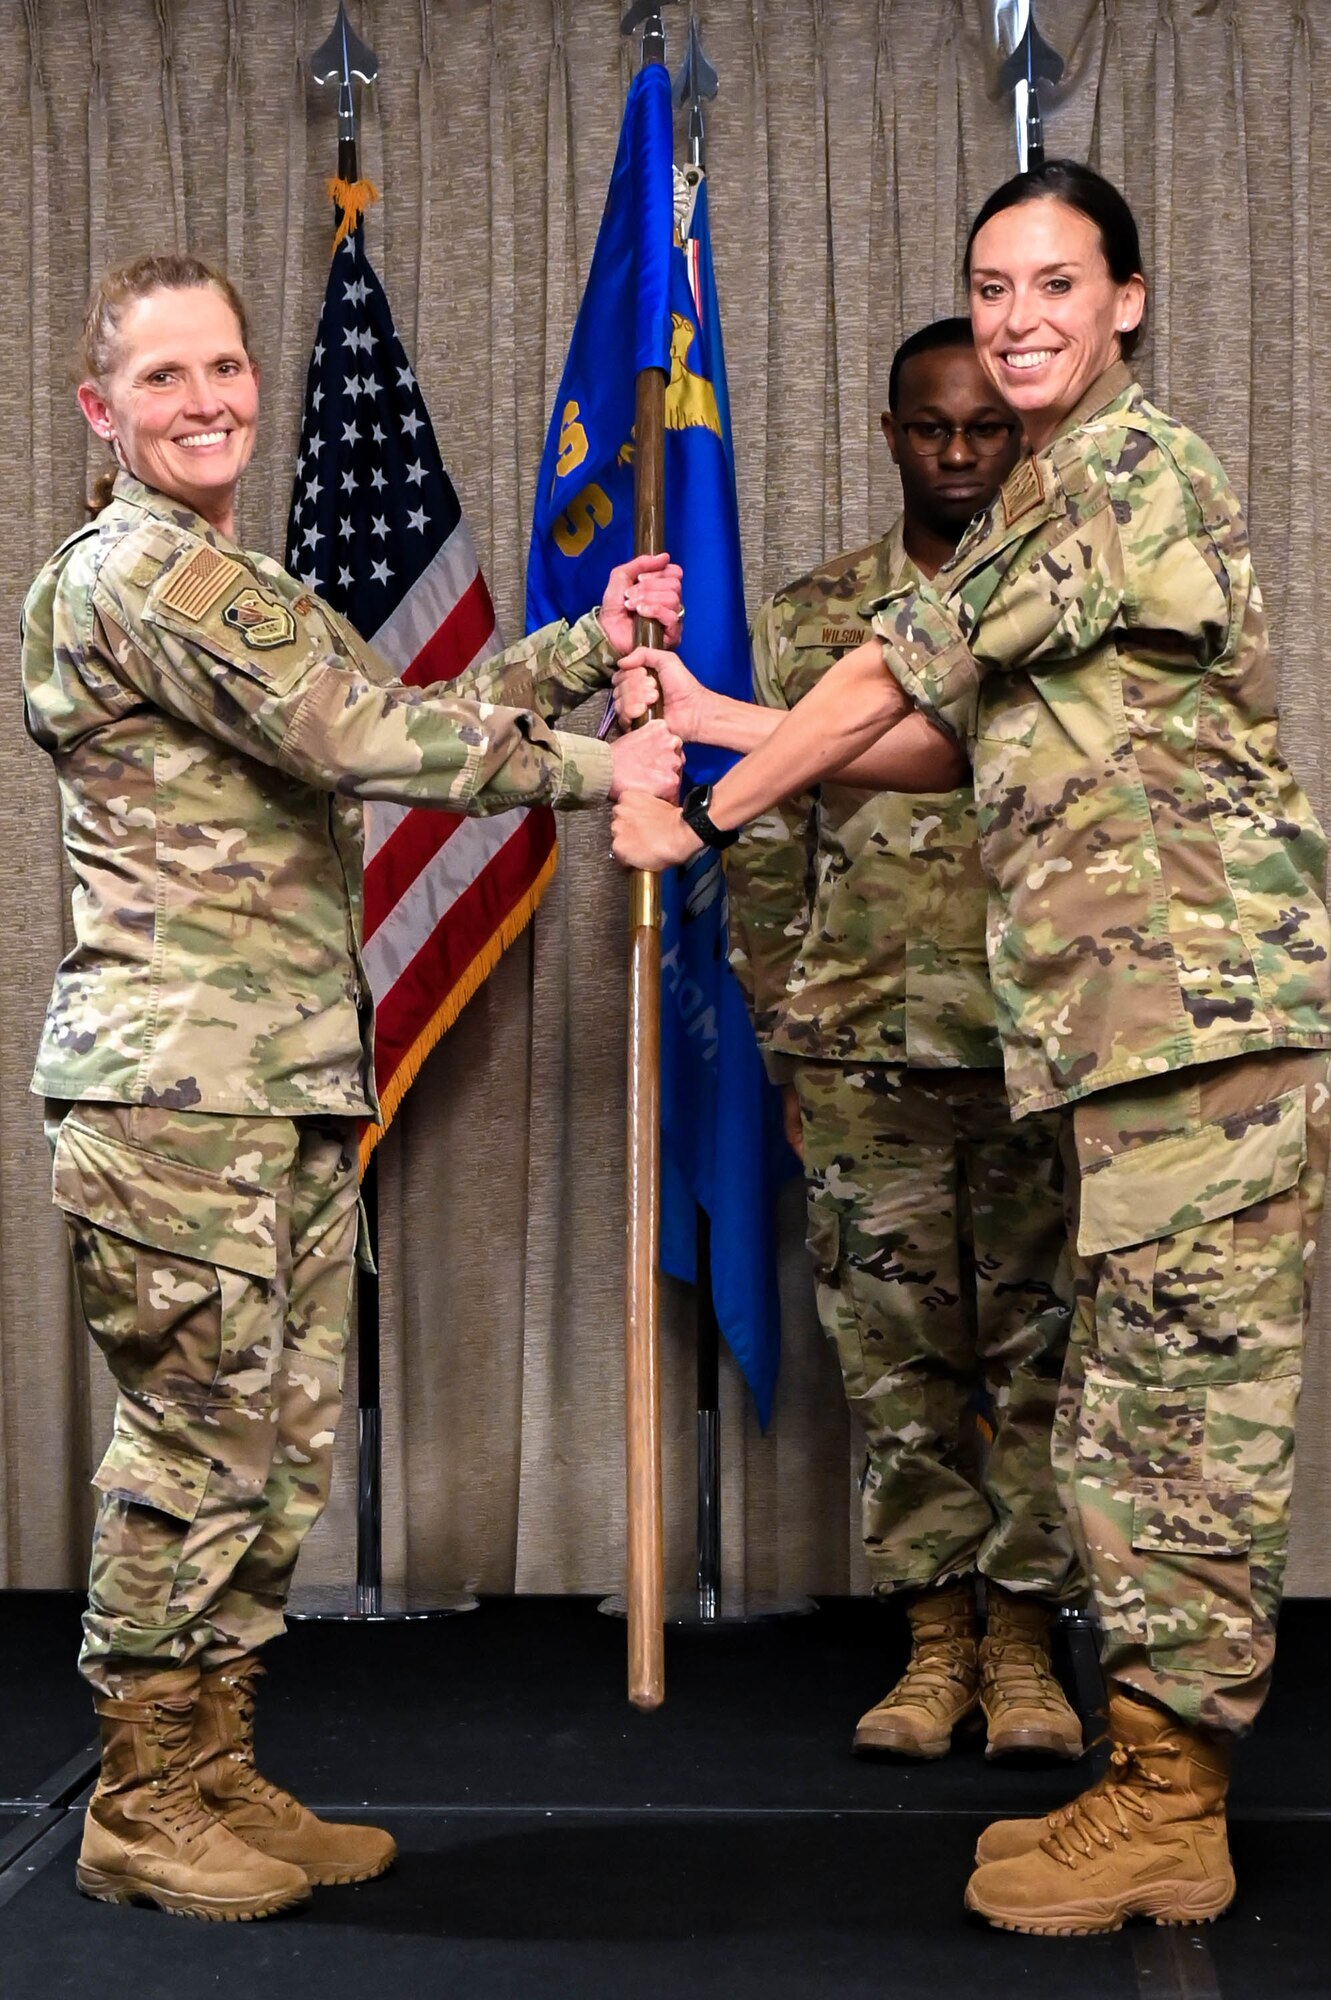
(696, 813)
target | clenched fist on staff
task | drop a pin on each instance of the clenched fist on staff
(915, 757)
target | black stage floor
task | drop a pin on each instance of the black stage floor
(555, 1843)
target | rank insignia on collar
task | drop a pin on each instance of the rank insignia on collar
(1022, 489)
(264, 620)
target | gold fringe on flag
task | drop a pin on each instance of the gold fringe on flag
(353, 198)
(453, 1003)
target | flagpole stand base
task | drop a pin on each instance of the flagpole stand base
(373, 1605)
(710, 1610)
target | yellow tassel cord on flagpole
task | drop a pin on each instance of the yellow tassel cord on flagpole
(353, 198)
(453, 1003)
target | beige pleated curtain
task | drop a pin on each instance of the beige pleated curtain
(850, 144)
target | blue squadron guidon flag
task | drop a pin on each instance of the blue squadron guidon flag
(376, 529)
(650, 302)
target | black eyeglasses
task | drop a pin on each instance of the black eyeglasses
(986, 438)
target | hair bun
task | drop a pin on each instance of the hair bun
(103, 486)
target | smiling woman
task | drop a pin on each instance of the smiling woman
(1057, 293)
(170, 383)
(1161, 962)
(207, 1050)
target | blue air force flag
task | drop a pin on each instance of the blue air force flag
(721, 1139)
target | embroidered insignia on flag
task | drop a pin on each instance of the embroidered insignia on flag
(196, 585)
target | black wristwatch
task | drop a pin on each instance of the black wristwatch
(695, 811)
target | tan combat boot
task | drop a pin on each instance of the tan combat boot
(261, 1813)
(941, 1684)
(1025, 1709)
(1147, 1840)
(148, 1836)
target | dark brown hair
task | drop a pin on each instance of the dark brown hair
(123, 287)
(1079, 187)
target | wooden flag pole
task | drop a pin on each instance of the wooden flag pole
(645, 1537)
(645, 1581)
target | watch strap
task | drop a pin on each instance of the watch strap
(695, 810)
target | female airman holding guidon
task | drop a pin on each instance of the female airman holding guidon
(1159, 952)
(207, 1051)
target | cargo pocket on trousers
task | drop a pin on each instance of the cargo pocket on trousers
(178, 1306)
(152, 1489)
(162, 1200)
(1192, 1541)
(844, 1312)
(822, 1239)
(1161, 1217)
(196, 1255)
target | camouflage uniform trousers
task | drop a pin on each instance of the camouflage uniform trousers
(1194, 1200)
(214, 1258)
(938, 1243)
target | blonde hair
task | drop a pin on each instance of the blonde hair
(123, 287)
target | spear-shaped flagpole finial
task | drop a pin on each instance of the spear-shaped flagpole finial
(337, 60)
(694, 80)
(646, 14)
(1028, 59)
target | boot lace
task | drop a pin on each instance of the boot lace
(1024, 1671)
(179, 1807)
(246, 1775)
(1117, 1806)
(937, 1665)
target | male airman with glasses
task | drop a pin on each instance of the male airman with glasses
(857, 924)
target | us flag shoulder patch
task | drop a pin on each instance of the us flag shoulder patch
(194, 586)
(1022, 489)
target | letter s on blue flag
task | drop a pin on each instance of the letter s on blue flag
(582, 524)
(721, 1129)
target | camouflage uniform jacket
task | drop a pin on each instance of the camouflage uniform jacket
(1098, 641)
(214, 728)
(857, 918)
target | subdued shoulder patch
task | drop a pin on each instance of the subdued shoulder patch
(263, 618)
(1022, 489)
(195, 585)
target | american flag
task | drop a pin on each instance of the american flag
(377, 531)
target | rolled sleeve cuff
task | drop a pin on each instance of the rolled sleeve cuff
(935, 668)
(591, 636)
(587, 770)
(581, 645)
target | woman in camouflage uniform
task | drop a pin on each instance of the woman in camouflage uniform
(1159, 952)
(935, 1219)
(207, 1051)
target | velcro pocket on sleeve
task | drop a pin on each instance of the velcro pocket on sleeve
(164, 1202)
(1190, 1178)
(160, 1473)
(220, 606)
(1182, 1517)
